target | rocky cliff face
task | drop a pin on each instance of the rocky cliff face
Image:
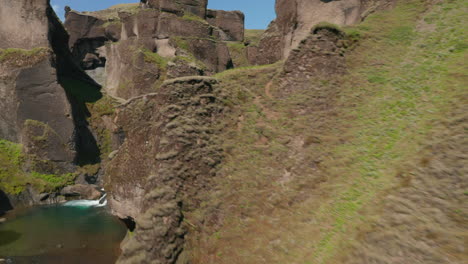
(140, 46)
(296, 18)
(42, 91)
(169, 154)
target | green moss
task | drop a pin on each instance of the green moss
(181, 43)
(40, 131)
(328, 26)
(253, 36)
(152, 57)
(192, 17)
(111, 23)
(51, 182)
(13, 177)
(22, 57)
(104, 107)
(237, 50)
(112, 13)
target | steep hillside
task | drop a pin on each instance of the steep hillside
(365, 166)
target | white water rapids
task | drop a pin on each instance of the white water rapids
(101, 202)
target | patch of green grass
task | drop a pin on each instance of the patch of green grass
(252, 36)
(153, 57)
(104, 107)
(403, 97)
(239, 71)
(112, 13)
(329, 26)
(237, 50)
(111, 23)
(13, 177)
(51, 182)
(22, 57)
(181, 43)
(192, 17)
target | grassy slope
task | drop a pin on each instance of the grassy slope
(297, 176)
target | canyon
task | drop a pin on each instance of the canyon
(336, 135)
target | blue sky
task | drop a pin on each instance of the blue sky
(258, 13)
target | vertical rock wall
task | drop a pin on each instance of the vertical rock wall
(42, 91)
(170, 152)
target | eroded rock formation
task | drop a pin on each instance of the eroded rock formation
(143, 45)
(162, 165)
(232, 23)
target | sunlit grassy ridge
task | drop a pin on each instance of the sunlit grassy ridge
(297, 176)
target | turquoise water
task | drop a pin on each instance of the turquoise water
(61, 234)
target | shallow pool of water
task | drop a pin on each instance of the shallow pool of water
(61, 234)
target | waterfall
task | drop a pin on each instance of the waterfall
(101, 202)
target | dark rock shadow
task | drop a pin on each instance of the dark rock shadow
(80, 89)
(8, 237)
(5, 204)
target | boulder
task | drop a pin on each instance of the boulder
(231, 22)
(84, 191)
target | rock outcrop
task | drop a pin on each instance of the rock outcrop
(296, 18)
(82, 191)
(231, 22)
(162, 165)
(42, 91)
(140, 46)
(318, 56)
(197, 7)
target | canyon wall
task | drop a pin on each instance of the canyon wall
(169, 154)
(42, 91)
(141, 45)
